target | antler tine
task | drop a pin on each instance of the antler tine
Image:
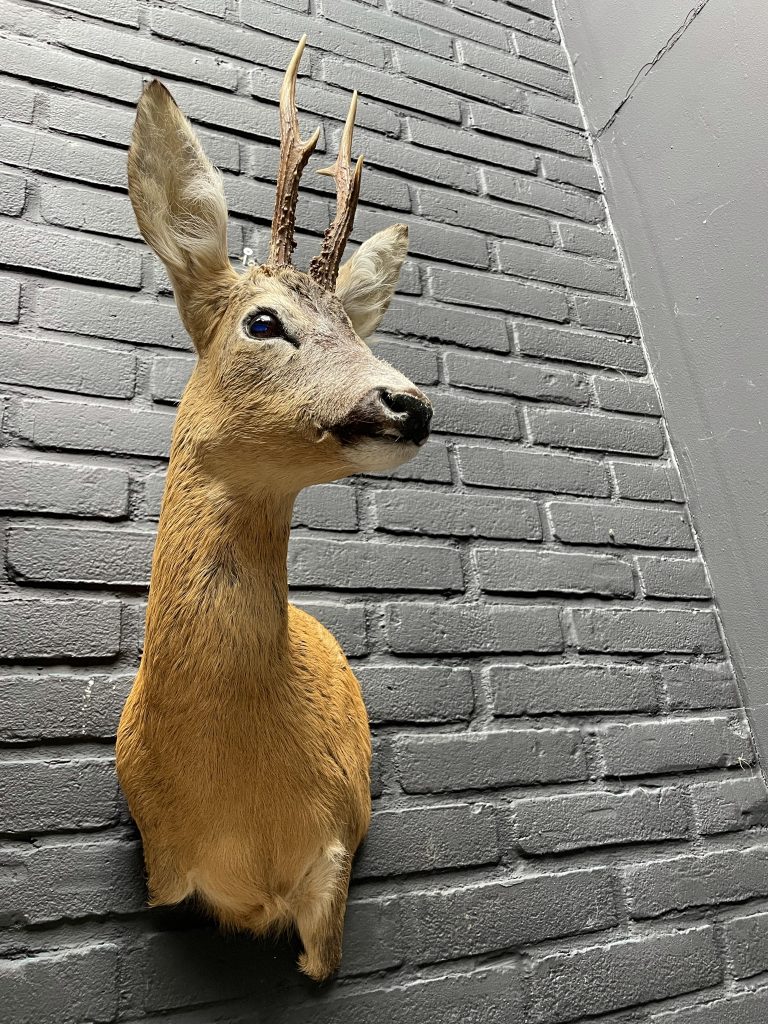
(293, 157)
(325, 266)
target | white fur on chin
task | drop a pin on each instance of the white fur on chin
(373, 456)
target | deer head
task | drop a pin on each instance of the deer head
(285, 386)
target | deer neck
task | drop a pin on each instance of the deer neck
(219, 589)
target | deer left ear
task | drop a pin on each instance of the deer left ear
(367, 282)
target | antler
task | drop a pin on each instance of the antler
(293, 157)
(325, 266)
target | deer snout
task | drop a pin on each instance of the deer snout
(389, 414)
(410, 412)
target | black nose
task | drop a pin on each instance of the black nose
(411, 414)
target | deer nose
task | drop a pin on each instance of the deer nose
(411, 413)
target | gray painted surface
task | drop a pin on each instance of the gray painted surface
(565, 811)
(684, 162)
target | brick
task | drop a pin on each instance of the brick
(345, 621)
(570, 171)
(121, 47)
(577, 347)
(474, 919)
(66, 986)
(326, 507)
(462, 515)
(584, 523)
(489, 760)
(323, 35)
(566, 428)
(567, 986)
(556, 199)
(169, 377)
(720, 876)
(13, 194)
(596, 242)
(578, 821)
(746, 939)
(44, 363)
(431, 465)
(371, 937)
(430, 838)
(533, 131)
(113, 316)
(622, 395)
(512, 16)
(417, 693)
(392, 88)
(415, 361)
(434, 241)
(509, 376)
(572, 688)
(124, 12)
(124, 430)
(61, 792)
(62, 252)
(62, 488)
(62, 554)
(672, 745)
(540, 50)
(71, 629)
(64, 879)
(481, 215)
(510, 66)
(647, 481)
(10, 297)
(61, 706)
(691, 685)
(647, 631)
(468, 328)
(606, 315)
(492, 291)
(334, 103)
(553, 108)
(744, 1008)
(385, 26)
(362, 565)
(88, 210)
(404, 158)
(682, 578)
(449, 20)
(17, 101)
(27, 59)
(522, 469)
(533, 263)
(462, 80)
(511, 570)
(730, 804)
(421, 628)
(234, 41)
(483, 996)
(463, 142)
(455, 413)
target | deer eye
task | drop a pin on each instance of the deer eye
(263, 327)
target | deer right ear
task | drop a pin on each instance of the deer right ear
(367, 282)
(178, 199)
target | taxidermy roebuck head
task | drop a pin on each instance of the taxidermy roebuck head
(285, 384)
(243, 748)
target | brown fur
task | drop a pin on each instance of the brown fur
(244, 748)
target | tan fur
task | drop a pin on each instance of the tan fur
(244, 747)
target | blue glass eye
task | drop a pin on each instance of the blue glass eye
(263, 326)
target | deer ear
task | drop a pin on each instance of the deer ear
(367, 282)
(178, 199)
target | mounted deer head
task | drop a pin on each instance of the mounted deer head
(285, 383)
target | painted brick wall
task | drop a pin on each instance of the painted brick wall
(568, 821)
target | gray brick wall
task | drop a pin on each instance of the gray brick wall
(568, 819)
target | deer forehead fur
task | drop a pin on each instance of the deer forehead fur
(244, 747)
